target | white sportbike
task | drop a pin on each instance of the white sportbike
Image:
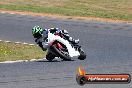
(59, 47)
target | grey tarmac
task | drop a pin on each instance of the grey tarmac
(108, 47)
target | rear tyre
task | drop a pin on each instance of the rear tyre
(50, 56)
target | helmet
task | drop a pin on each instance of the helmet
(37, 31)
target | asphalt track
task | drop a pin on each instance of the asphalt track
(108, 47)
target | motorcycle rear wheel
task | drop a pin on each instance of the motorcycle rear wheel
(50, 56)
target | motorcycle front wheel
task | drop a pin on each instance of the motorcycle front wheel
(62, 53)
(82, 55)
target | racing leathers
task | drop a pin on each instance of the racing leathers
(44, 36)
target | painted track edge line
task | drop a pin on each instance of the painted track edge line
(24, 43)
(18, 61)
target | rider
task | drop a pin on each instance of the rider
(41, 34)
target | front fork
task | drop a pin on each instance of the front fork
(77, 47)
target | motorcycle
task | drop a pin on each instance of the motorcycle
(62, 48)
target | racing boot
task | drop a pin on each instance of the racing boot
(73, 41)
(70, 39)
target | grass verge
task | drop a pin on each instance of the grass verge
(114, 9)
(12, 51)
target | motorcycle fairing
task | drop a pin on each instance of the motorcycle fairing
(52, 37)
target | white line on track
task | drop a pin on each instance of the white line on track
(18, 61)
(25, 43)
(17, 42)
(23, 14)
(7, 41)
(12, 13)
(31, 44)
(3, 12)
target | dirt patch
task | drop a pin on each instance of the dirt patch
(65, 17)
(3, 3)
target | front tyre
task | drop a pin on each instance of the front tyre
(62, 54)
(82, 55)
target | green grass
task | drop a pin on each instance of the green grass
(114, 9)
(12, 51)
